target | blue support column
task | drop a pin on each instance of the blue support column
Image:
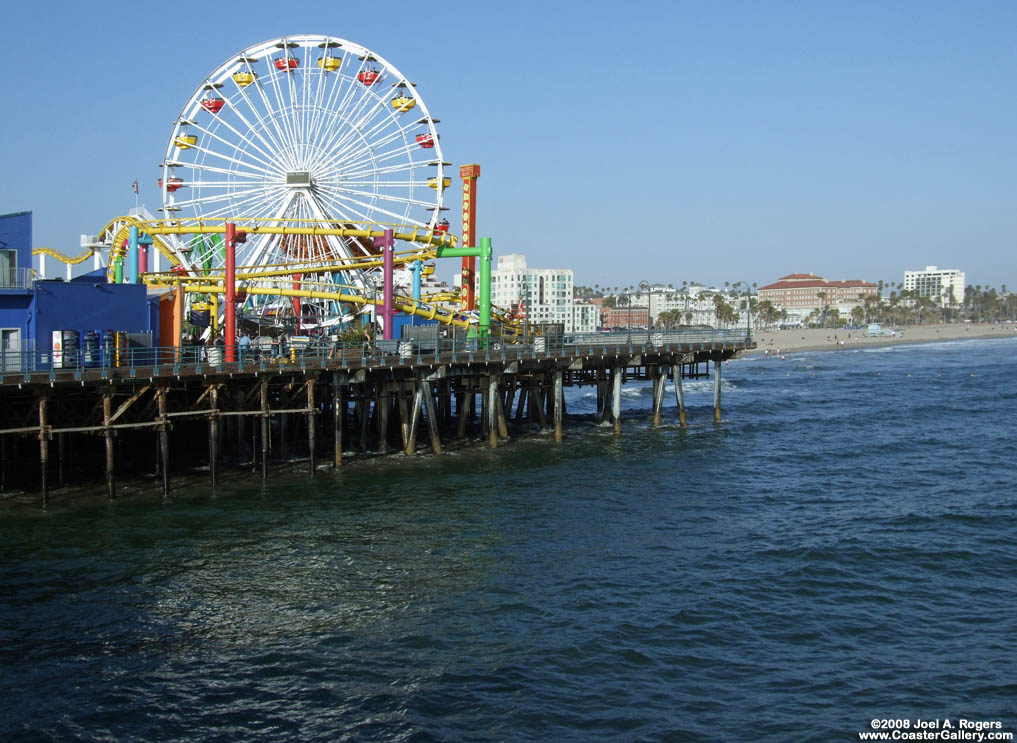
(131, 274)
(418, 268)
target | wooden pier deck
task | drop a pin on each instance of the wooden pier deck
(110, 422)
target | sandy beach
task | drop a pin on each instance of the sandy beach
(825, 339)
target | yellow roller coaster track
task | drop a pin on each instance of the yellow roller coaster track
(119, 228)
(63, 257)
(408, 306)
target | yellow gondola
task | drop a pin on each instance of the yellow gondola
(330, 64)
(433, 182)
(243, 79)
(403, 103)
(186, 141)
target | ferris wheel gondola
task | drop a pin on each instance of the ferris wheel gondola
(299, 130)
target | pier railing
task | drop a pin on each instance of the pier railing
(264, 354)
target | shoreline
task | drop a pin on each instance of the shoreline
(781, 342)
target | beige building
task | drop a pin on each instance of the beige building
(806, 292)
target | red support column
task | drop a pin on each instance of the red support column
(469, 174)
(386, 243)
(230, 329)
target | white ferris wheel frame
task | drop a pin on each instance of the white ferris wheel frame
(344, 134)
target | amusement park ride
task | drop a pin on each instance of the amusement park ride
(289, 175)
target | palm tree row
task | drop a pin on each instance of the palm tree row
(899, 307)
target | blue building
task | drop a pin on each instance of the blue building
(31, 310)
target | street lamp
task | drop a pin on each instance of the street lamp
(748, 306)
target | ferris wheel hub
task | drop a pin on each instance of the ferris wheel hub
(299, 179)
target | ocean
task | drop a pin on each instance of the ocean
(841, 548)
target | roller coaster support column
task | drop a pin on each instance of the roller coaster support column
(386, 244)
(418, 268)
(484, 293)
(132, 256)
(484, 283)
(143, 245)
(230, 287)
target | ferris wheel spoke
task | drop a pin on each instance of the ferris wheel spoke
(345, 197)
(391, 118)
(259, 113)
(266, 128)
(349, 99)
(384, 197)
(229, 199)
(367, 157)
(227, 158)
(328, 105)
(269, 157)
(269, 109)
(354, 119)
(369, 143)
(281, 111)
(225, 184)
(358, 129)
(267, 163)
(400, 167)
(224, 171)
(213, 198)
(232, 207)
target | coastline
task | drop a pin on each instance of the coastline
(827, 339)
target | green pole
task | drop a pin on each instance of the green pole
(483, 252)
(484, 289)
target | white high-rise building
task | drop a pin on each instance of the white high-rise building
(546, 292)
(938, 283)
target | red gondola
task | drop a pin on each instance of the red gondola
(172, 184)
(287, 63)
(426, 141)
(369, 77)
(213, 105)
(442, 226)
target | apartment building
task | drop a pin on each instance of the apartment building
(938, 283)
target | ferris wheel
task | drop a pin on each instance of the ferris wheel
(298, 130)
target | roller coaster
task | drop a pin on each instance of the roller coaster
(287, 179)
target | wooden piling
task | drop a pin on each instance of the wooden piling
(312, 411)
(464, 412)
(559, 399)
(716, 390)
(43, 451)
(502, 422)
(163, 438)
(107, 412)
(490, 408)
(432, 416)
(338, 418)
(659, 380)
(418, 399)
(616, 381)
(679, 394)
(384, 404)
(265, 440)
(213, 433)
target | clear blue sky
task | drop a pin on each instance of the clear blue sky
(662, 141)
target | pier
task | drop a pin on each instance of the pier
(159, 412)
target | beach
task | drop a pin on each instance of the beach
(827, 339)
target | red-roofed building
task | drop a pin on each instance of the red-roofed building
(806, 291)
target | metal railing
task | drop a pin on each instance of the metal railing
(262, 354)
(16, 278)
